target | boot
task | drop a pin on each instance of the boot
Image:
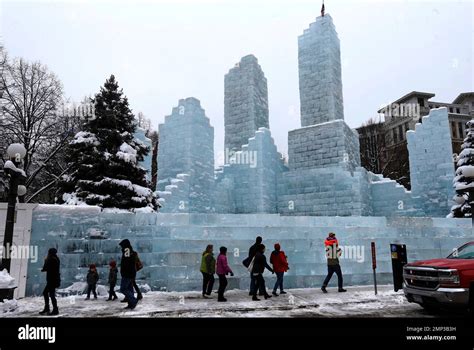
(323, 288)
(282, 292)
(109, 299)
(115, 297)
(139, 296)
(267, 296)
(45, 311)
(124, 300)
(54, 312)
(342, 290)
(222, 299)
(254, 298)
(274, 293)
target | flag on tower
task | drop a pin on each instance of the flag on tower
(322, 10)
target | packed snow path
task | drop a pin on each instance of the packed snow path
(356, 302)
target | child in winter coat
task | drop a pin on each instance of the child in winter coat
(92, 278)
(113, 271)
(280, 265)
(222, 269)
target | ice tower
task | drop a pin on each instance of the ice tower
(186, 159)
(245, 102)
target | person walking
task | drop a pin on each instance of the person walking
(92, 279)
(208, 268)
(222, 270)
(113, 272)
(259, 266)
(52, 267)
(280, 265)
(128, 271)
(248, 261)
(332, 254)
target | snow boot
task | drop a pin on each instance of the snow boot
(323, 288)
(342, 290)
(222, 299)
(54, 312)
(87, 298)
(274, 293)
(139, 296)
(45, 311)
(267, 296)
(254, 298)
(282, 292)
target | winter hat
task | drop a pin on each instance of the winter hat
(52, 251)
(223, 250)
(113, 263)
(332, 234)
(92, 266)
(277, 246)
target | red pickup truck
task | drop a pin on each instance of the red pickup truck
(442, 282)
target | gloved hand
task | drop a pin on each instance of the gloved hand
(232, 274)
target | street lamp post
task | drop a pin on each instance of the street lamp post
(16, 152)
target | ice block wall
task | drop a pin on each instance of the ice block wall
(171, 245)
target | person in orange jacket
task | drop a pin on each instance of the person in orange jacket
(332, 254)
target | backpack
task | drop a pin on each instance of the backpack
(138, 262)
(247, 262)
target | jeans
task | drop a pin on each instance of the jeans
(126, 288)
(331, 270)
(49, 292)
(91, 288)
(222, 286)
(279, 281)
(207, 283)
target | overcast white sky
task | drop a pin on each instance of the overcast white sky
(164, 50)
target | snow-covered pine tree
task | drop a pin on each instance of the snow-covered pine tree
(463, 181)
(104, 156)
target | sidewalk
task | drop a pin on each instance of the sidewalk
(357, 302)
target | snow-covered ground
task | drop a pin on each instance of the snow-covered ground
(357, 302)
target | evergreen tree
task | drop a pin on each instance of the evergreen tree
(464, 180)
(104, 157)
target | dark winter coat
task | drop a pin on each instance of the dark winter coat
(113, 276)
(253, 250)
(52, 267)
(92, 277)
(278, 260)
(128, 268)
(260, 263)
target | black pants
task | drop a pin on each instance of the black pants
(253, 285)
(259, 285)
(91, 288)
(112, 292)
(49, 292)
(222, 286)
(331, 270)
(137, 289)
(207, 283)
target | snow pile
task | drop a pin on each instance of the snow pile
(6, 281)
(127, 153)
(76, 288)
(85, 137)
(8, 306)
(10, 165)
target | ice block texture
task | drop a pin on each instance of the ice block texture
(319, 60)
(431, 163)
(245, 102)
(186, 147)
(170, 245)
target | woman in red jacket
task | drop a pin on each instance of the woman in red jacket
(280, 265)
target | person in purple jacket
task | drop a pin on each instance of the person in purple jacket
(222, 270)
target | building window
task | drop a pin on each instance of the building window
(453, 130)
(450, 109)
(458, 110)
(421, 101)
(395, 136)
(461, 130)
(400, 131)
